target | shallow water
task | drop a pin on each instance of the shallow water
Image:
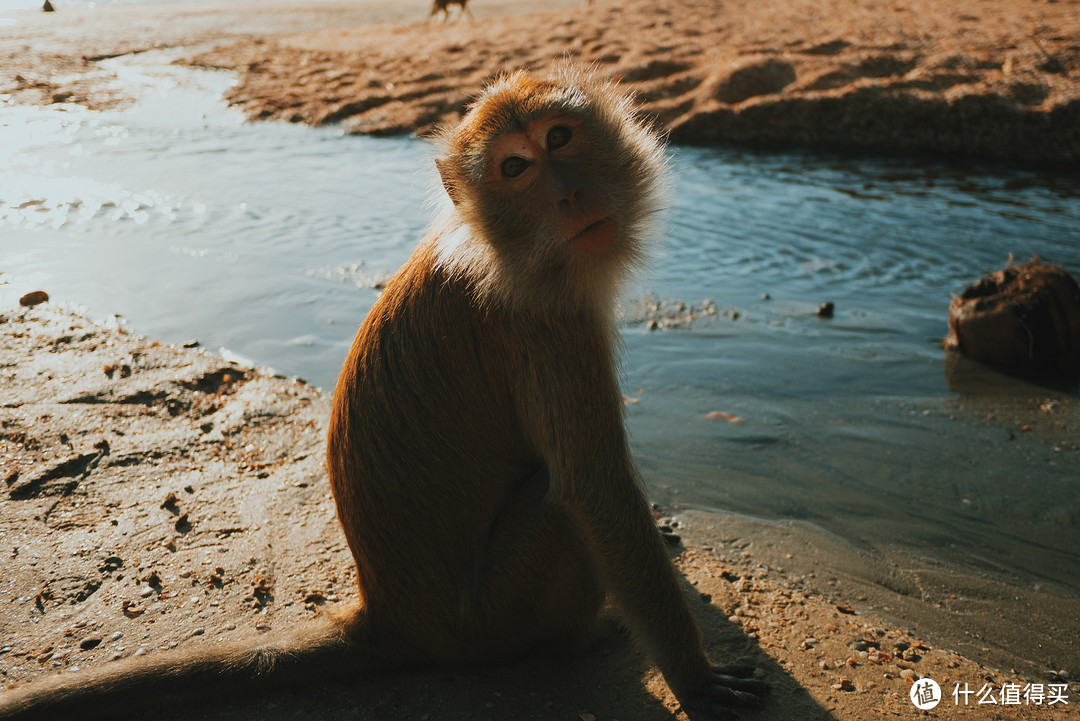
(269, 240)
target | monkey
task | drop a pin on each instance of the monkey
(444, 7)
(476, 449)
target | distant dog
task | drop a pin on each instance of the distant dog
(444, 6)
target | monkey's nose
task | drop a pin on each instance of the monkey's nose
(571, 198)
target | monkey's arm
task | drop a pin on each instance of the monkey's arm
(584, 444)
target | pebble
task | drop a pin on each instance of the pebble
(33, 298)
(89, 642)
(116, 636)
(909, 674)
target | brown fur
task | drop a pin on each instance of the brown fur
(476, 449)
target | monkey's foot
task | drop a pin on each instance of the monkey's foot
(728, 686)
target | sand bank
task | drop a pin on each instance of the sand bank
(989, 79)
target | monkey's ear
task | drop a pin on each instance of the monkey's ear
(444, 165)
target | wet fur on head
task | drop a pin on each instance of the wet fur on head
(518, 261)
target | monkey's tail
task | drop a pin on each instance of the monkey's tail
(317, 651)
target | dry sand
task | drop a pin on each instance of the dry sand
(990, 79)
(986, 79)
(993, 79)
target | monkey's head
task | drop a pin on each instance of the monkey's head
(555, 184)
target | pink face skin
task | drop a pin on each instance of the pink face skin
(544, 170)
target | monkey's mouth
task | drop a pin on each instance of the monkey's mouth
(596, 237)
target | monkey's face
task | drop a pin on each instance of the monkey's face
(550, 189)
(555, 183)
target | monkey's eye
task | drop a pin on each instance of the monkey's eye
(558, 137)
(514, 166)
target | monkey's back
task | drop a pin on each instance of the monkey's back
(424, 420)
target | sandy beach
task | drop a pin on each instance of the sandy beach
(157, 496)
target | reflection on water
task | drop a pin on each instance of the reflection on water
(189, 223)
(272, 240)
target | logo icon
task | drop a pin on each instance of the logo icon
(925, 694)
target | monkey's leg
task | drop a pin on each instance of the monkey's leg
(536, 586)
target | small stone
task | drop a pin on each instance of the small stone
(825, 310)
(33, 298)
(909, 674)
(89, 642)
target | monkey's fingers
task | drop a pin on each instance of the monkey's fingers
(741, 691)
(730, 686)
(741, 670)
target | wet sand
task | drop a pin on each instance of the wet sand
(155, 496)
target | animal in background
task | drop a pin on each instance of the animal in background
(443, 6)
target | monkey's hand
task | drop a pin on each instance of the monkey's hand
(725, 687)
